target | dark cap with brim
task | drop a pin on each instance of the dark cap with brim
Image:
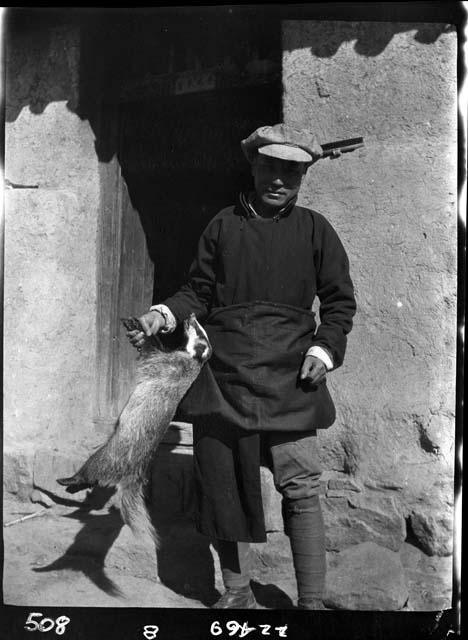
(283, 142)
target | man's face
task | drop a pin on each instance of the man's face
(276, 181)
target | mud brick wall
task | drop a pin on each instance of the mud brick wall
(50, 252)
(388, 460)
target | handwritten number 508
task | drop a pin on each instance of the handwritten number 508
(46, 624)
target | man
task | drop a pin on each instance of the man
(263, 395)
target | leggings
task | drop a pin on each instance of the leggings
(304, 526)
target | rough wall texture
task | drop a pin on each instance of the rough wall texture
(50, 247)
(394, 206)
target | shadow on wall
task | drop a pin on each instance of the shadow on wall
(370, 41)
(108, 38)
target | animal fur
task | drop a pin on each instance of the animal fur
(163, 378)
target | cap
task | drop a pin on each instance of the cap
(284, 142)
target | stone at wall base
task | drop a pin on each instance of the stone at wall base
(360, 518)
(18, 473)
(429, 579)
(366, 577)
(273, 555)
(34, 468)
(433, 529)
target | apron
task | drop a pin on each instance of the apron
(250, 384)
(252, 379)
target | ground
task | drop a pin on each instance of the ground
(71, 556)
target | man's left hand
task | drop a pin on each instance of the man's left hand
(313, 370)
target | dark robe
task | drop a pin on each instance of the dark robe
(252, 285)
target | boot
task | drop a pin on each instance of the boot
(314, 603)
(237, 598)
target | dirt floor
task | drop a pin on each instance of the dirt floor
(70, 557)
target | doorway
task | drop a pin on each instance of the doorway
(184, 88)
(182, 162)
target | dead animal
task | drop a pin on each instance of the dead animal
(163, 378)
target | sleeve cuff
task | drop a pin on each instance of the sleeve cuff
(320, 353)
(168, 316)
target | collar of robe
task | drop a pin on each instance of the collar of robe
(247, 200)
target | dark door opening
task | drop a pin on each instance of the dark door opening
(218, 77)
(182, 162)
(177, 92)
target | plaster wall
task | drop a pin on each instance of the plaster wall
(393, 204)
(50, 247)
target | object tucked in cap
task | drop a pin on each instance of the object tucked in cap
(284, 142)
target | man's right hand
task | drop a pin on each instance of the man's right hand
(151, 322)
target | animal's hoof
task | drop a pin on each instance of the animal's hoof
(65, 482)
(73, 484)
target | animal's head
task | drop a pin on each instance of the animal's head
(197, 346)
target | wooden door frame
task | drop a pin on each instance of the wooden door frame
(115, 358)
